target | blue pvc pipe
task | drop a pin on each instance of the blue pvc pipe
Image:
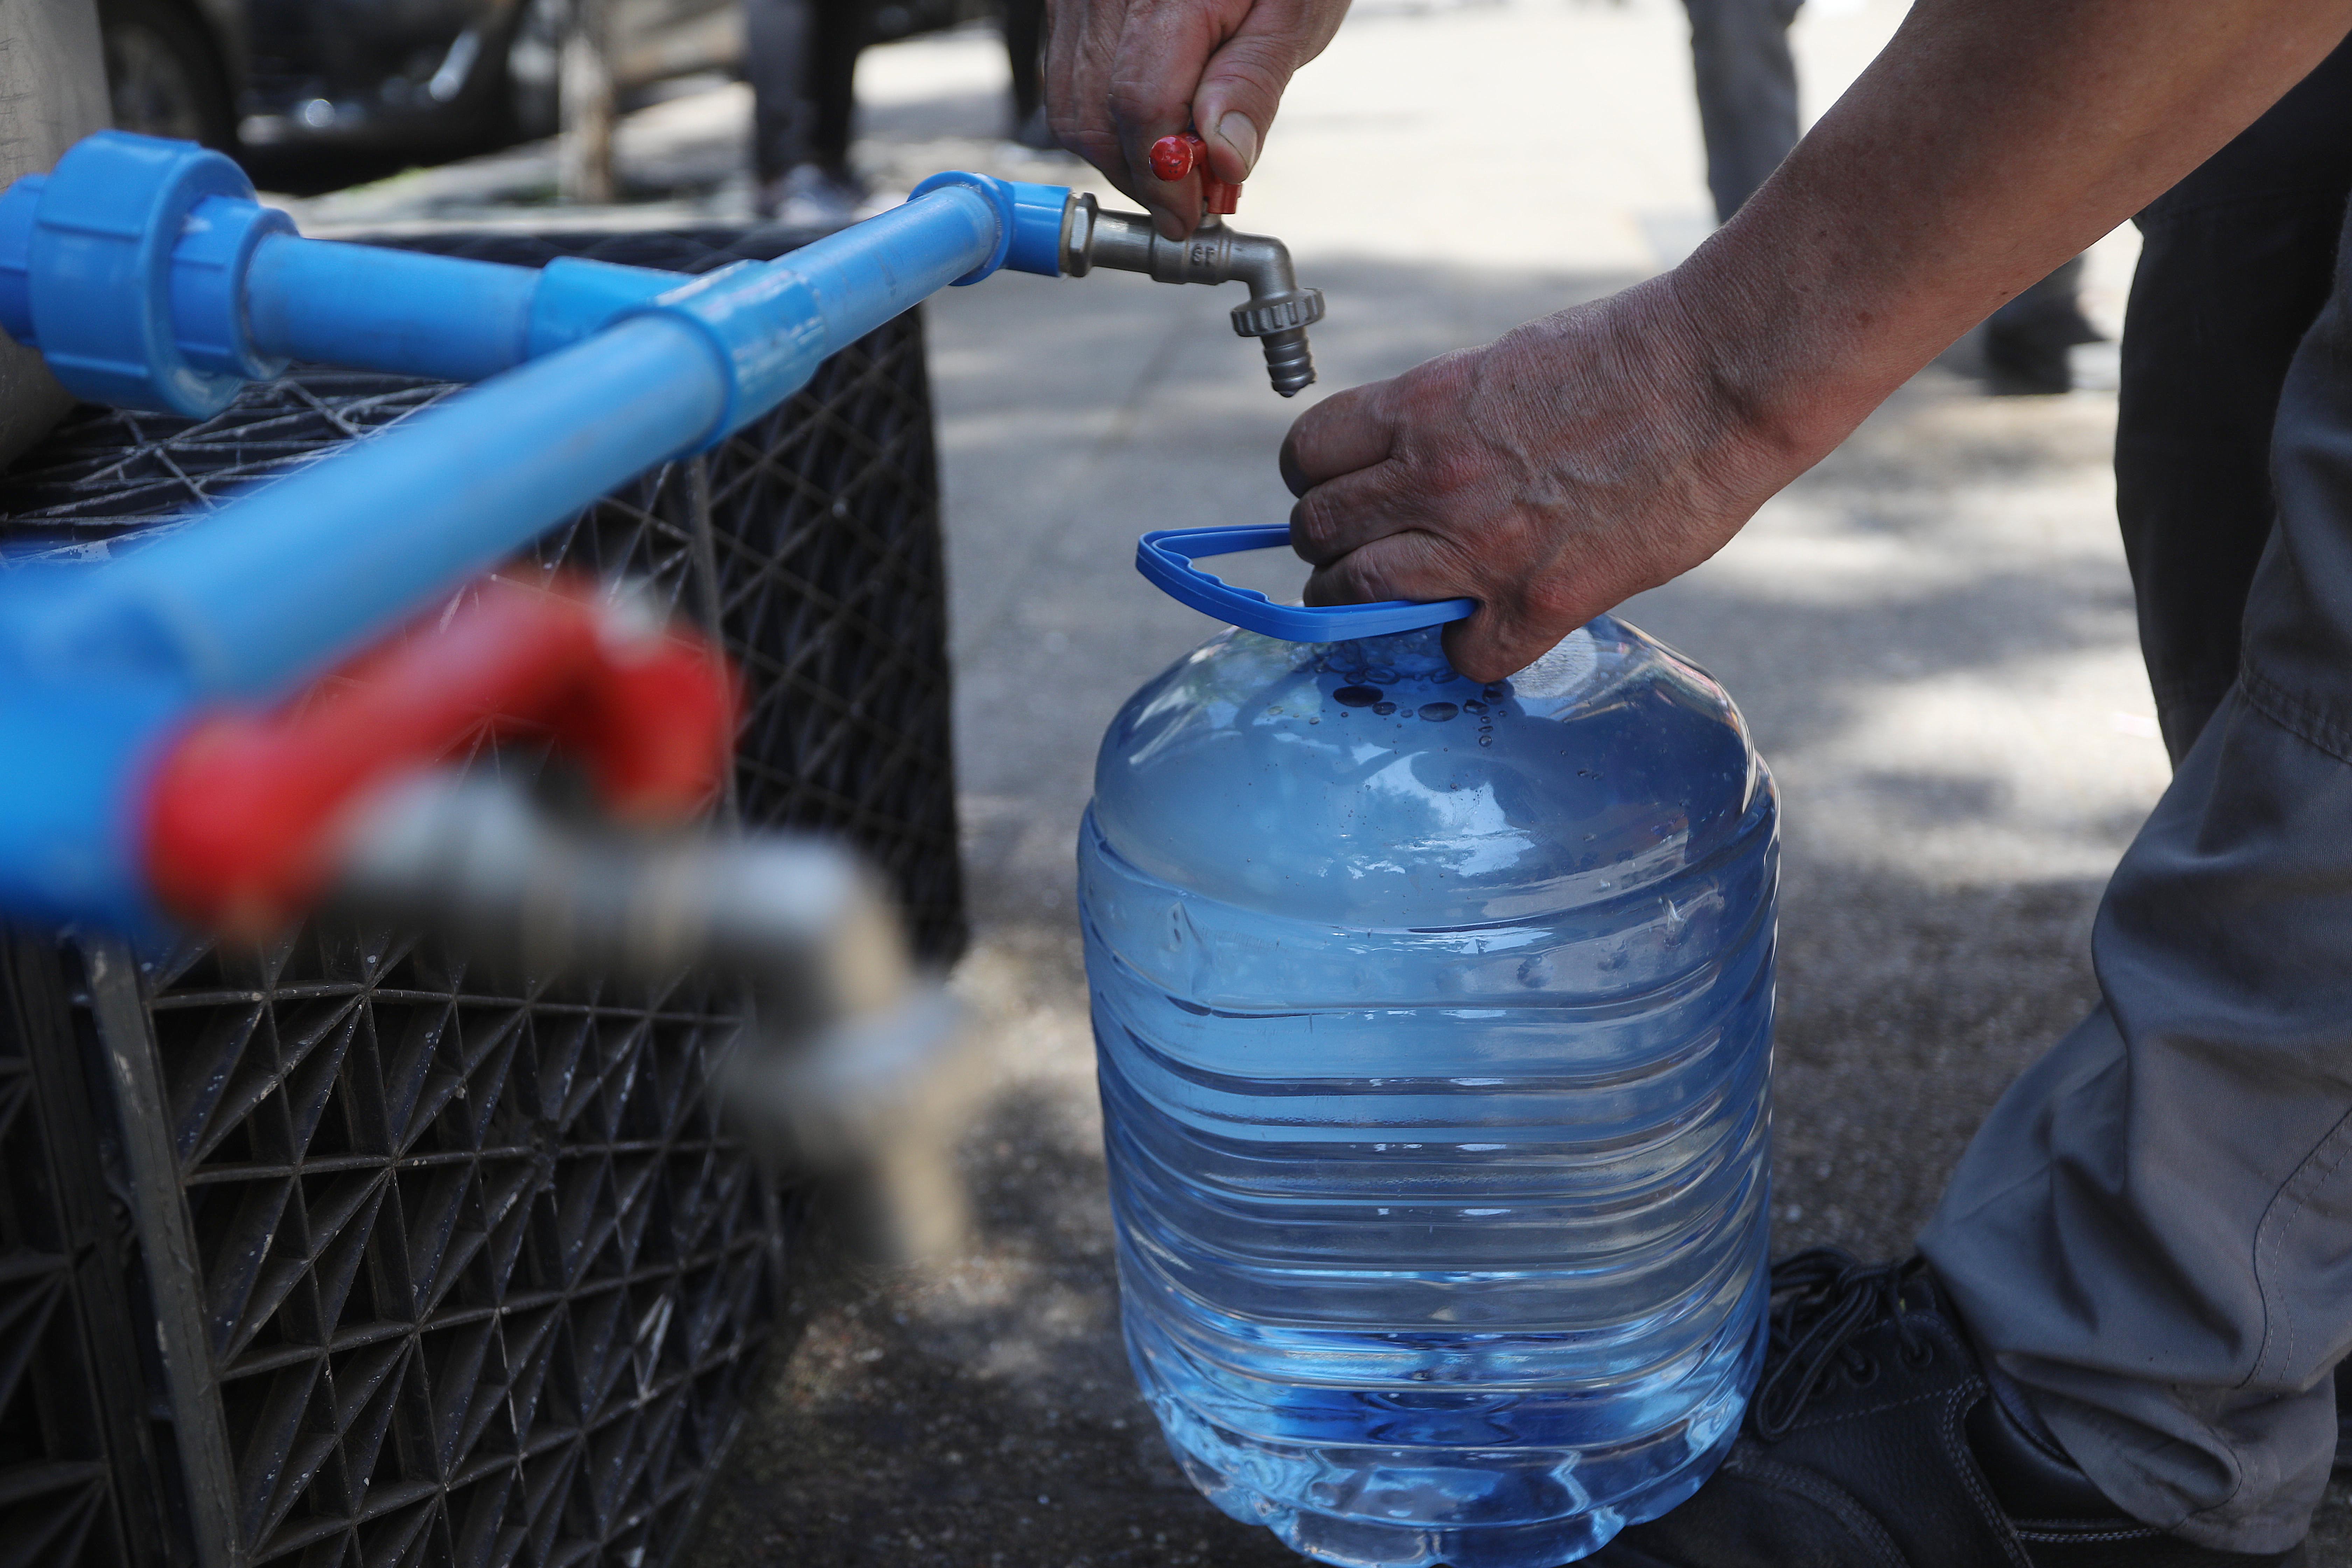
(896, 259)
(455, 320)
(776, 322)
(149, 278)
(387, 309)
(80, 750)
(280, 584)
(283, 584)
(418, 314)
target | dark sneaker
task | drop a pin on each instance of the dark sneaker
(2026, 342)
(2027, 361)
(1873, 1441)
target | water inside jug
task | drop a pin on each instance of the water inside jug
(1433, 1023)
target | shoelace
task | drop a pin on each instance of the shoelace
(1822, 1302)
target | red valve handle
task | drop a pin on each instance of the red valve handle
(1173, 157)
(244, 813)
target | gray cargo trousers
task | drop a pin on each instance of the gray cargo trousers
(2152, 1232)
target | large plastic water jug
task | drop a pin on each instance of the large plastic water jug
(1433, 1031)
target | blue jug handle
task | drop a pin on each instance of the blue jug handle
(1167, 555)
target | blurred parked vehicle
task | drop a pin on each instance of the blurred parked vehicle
(447, 76)
(416, 74)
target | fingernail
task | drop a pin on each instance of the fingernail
(1234, 130)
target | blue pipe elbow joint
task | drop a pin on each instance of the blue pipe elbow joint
(1031, 222)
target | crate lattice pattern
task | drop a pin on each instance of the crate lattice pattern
(67, 1399)
(483, 1278)
(482, 1273)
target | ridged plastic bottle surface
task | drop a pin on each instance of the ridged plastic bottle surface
(1432, 1025)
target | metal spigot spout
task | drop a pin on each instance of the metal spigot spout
(853, 1071)
(1277, 313)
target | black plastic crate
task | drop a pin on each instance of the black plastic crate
(346, 1254)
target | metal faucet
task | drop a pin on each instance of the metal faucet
(1277, 313)
(853, 1068)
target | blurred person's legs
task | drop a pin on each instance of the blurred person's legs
(2235, 263)
(1025, 41)
(1747, 92)
(1747, 80)
(775, 52)
(835, 41)
(801, 59)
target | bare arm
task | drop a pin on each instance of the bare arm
(1590, 455)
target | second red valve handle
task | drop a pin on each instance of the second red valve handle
(1173, 157)
(245, 809)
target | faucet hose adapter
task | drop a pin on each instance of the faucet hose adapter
(1277, 313)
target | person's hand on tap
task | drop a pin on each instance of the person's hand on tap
(1121, 74)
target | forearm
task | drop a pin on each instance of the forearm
(1584, 457)
(1991, 141)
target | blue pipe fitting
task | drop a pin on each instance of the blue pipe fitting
(20, 205)
(209, 266)
(1040, 218)
(577, 296)
(764, 329)
(1030, 219)
(98, 239)
(998, 194)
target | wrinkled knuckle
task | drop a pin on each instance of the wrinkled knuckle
(1357, 581)
(1424, 411)
(1294, 473)
(1447, 469)
(1142, 102)
(1260, 68)
(1314, 527)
